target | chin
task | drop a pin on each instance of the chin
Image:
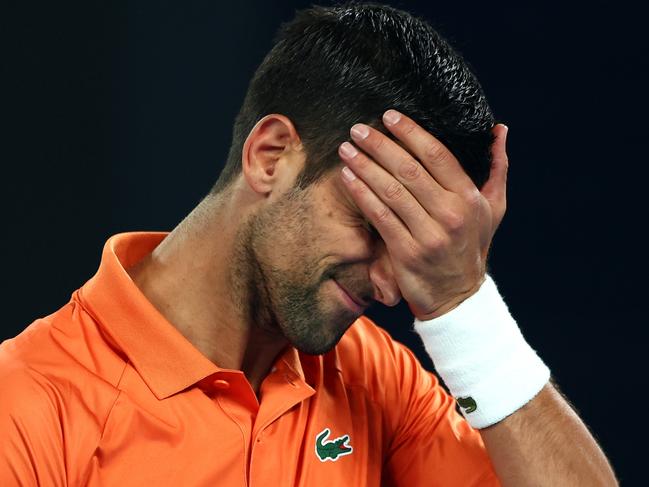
(319, 349)
(323, 342)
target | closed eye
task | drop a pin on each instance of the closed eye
(370, 229)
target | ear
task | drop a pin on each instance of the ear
(271, 155)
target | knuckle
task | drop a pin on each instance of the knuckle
(454, 221)
(409, 170)
(360, 189)
(434, 152)
(394, 190)
(436, 243)
(500, 162)
(361, 163)
(412, 254)
(377, 142)
(382, 214)
(473, 197)
(408, 128)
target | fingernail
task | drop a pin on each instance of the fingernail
(348, 150)
(348, 174)
(360, 131)
(391, 117)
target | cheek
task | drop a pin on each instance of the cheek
(293, 247)
(316, 234)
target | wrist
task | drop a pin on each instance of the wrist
(480, 353)
(448, 306)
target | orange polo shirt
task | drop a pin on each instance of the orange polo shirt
(105, 391)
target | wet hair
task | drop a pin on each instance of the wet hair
(331, 67)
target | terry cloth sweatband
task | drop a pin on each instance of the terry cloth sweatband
(480, 353)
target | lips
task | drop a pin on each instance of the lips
(359, 302)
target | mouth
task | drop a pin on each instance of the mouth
(351, 301)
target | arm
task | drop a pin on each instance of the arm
(422, 427)
(31, 440)
(545, 443)
(530, 432)
(437, 228)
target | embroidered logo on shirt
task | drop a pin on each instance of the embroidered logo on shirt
(468, 404)
(331, 449)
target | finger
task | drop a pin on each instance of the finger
(389, 190)
(434, 156)
(400, 163)
(495, 189)
(390, 227)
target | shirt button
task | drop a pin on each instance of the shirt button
(221, 384)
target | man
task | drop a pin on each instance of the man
(365, 166)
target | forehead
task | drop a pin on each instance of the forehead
(334, 194)
(333, 190)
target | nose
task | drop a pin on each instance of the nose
(385, 286)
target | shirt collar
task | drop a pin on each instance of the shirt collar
(163, 357)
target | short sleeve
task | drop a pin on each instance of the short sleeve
(433, 444)
(31, 440)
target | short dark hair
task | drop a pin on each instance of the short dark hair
(331, 67)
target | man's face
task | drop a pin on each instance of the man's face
(301, 259)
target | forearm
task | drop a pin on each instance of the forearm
(504, 389)
(545, 443)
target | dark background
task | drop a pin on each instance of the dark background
(118, 117)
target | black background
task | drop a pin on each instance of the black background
(118, 117)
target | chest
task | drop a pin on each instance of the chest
(333, 436)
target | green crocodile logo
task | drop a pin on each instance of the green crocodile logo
(467, 403)
(331, 449)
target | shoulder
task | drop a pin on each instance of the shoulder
(63, 348)
(32, 450)
(57, 387)
(25, 363)
(368, 355)
(425, 428)
(30, 407)
(23, 385)
(367, 341)
(370, 343)
(59, 370)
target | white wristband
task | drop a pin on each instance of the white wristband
(480, 353)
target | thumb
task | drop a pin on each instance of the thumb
(495, 189)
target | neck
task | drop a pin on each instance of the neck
(189, 279)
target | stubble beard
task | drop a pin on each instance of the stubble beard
(283, 302)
